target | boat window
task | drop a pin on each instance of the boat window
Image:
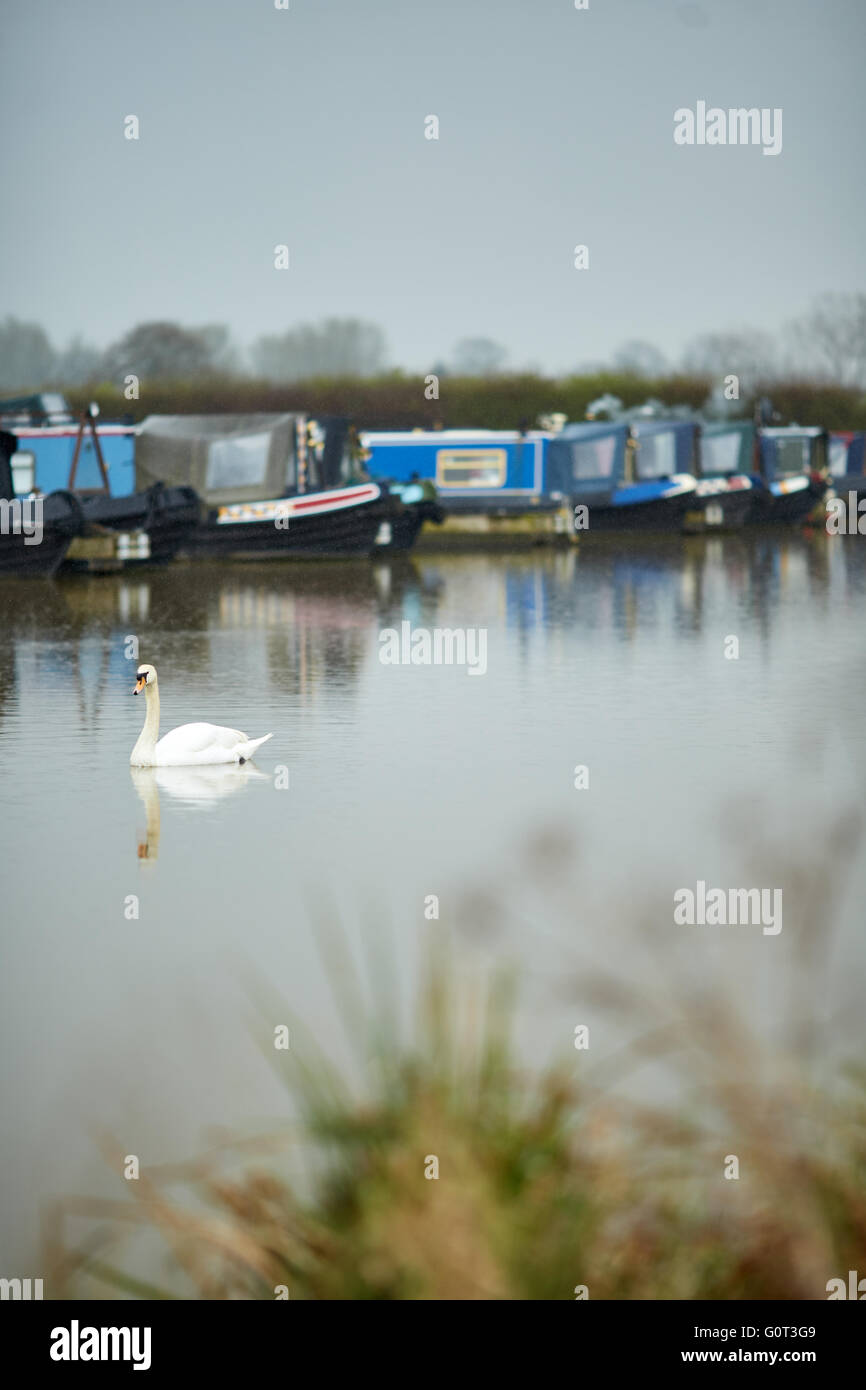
(471, 467)
(593, 458)
(720, 453)
(56, 410)
(657, 455)
(23, 473)
(792, 456)
(838, 457)
(239, 461)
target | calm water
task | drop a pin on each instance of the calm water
(406, 781)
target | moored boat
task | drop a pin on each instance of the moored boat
(93, 464)
(616, 482)
(793, 464)
(848, 462)
(491, 485)
(722, 500)
(35, 531)
(271, 485)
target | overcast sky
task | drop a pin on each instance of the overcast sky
(306, 127)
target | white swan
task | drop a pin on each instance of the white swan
(191, 744)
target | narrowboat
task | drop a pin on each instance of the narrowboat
(419, 504)
(723, 498)
(793, 463)
(618, 481)
(48, 436)
(35, 532)
(119, 527)
(491, 484)
(848, 462)
(728, 458)
(271, 485)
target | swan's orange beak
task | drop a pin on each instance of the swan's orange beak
(139, 685)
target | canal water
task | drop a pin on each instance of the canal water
(647, 717)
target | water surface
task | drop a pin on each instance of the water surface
(405, 782)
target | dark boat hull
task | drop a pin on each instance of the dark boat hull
(23, 556)
(168, 516)
(724, 509)
(402, 530)
(655, 514)
(330, 525)
(788, 508)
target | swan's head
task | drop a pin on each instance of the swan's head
(145, 677)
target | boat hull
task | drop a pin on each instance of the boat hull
(22, 556)
(166, 516)
(328, 525)
(771, 507)
(716, 509)
(659, 514)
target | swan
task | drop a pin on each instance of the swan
(191, 744)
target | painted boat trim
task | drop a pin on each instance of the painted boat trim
(309, 504)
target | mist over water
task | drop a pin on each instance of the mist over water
(406, 781)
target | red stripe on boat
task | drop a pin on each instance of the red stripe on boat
(325, 499)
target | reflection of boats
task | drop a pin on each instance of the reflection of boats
(273, 486)
(201, 787)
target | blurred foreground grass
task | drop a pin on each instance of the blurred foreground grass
(544, 1184)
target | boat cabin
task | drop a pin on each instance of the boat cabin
(728, 449)
(473, 470)
(848, 461)
(793, 451)
(47, 434)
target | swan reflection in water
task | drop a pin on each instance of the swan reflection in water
(201, 787)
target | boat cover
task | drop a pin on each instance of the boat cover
(225, 458)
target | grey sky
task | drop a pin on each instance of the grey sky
(307, 127)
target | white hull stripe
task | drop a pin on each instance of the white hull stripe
(296, 508)
(69, 431)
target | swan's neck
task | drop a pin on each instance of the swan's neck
(147, 739)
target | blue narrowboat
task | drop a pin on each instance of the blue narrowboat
(488, 481)
(620, 477)
(47, 432)
(35, 533)
(723, 495)
(793, 463)
(93, 468)
(593, 475)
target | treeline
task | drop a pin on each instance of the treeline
(399, 401)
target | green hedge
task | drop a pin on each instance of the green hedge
(396, 401)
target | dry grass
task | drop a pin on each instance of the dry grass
(543, 1185)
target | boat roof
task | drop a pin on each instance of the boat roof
(42, 407)
(469, 436)
(790, 431)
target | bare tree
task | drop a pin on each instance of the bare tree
(27, 358)
(640, 358)
(478, 357)
(335, 347)
(830, 340)
(748, 354)
(78, 364)
(163, 349)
